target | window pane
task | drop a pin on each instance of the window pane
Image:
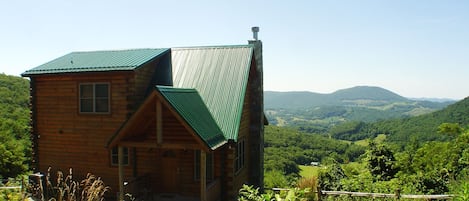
(126, 159)
(102, 91)
(86, 105)
(102, 105)
(115, 156)
(86, 91)
(209, 164)
(115, 160)
(239, 155)
(242, 154)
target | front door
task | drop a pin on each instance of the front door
(170, 171)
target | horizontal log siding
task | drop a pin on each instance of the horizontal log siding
(143, 83)
(242, 177)
(173, 130)
(68, 139)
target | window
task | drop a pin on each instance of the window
(94, 98)
(115, 156)
(209, 166)
(239, 155)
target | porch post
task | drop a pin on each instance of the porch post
(203, 176)
(120, 156)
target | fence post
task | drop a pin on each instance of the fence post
(319, 193)
(398, 194)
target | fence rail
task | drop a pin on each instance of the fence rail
(11, 187)
(397, 195)
(321, 194)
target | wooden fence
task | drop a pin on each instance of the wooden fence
(321, 195)
(5, 181)
(397, 195)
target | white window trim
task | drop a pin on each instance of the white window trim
(94, 98)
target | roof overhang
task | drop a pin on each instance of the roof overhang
(97, 61)
(206, 133)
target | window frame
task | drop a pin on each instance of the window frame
(114, 154)
(240, 155)
(210, 165)
(94, 99)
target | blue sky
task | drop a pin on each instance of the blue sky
(416, 48)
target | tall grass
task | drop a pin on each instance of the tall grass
(65, 188)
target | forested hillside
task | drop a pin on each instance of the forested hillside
(426, 154)
(419, 167)
(421, 128)
(14, 125)
(286, 148)
(314, 112)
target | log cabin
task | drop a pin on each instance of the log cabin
(172, 122)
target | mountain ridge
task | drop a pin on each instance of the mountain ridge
(306, 99)
(360, 103)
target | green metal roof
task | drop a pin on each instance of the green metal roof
(97, 61)
(189, 104)
(220, 75)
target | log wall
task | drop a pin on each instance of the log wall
(66, 138)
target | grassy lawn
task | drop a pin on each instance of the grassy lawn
(379, 139)
(308, 171)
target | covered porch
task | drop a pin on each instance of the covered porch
(171, 174)
(170, 149)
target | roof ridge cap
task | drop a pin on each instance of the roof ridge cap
(214, 47)
(117, 50)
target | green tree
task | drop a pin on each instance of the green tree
(14, 125)
(331, 175)
(450, 129)
(381, 161)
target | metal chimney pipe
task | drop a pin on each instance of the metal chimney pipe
(255, 30)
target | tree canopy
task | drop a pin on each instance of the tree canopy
(14, 126)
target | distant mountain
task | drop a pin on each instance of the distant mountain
(360, 95)
(303, 99)
(367, 93)
(318, 112)
(295, 99)
(438, 100)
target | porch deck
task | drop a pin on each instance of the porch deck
(138, 189)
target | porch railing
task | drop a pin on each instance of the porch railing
(138, 187)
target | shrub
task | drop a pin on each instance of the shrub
(249, 193)
(463, 192)
(274, 179)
